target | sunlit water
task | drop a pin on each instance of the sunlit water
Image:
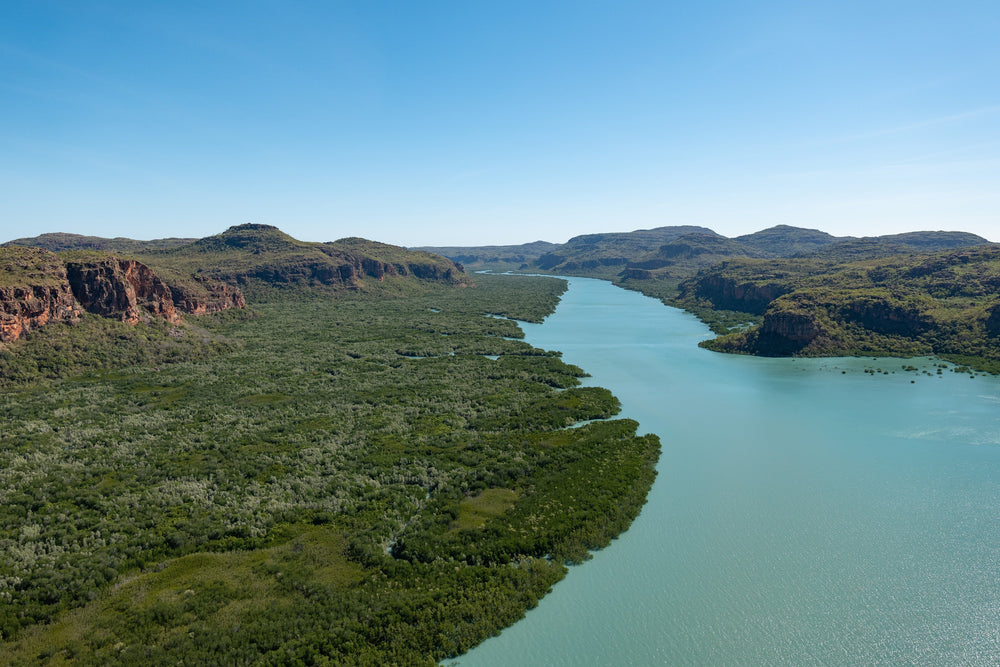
(802, 515)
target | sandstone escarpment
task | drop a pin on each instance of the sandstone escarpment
(785, 332)
(728, 294)
(119, 288)
(261, 257)
(38, 287)
(33, 292)
(887, 314)
(371, 259)
(202, 296)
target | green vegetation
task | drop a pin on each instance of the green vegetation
(606, 255)
(495, 258)
(60, 351)
(793, 291)
(29, 266)
(898, 244)
(350, 480)
(60, 241)
(261, 258)
(945, 303)
(474, 511)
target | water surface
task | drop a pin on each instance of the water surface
(806, 512)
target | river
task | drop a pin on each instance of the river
(806, 512)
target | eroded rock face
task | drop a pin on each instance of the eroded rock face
(795, 328)
(206, 296)
(37, 287)
(745, 297)
(23, 309)
(123, 289)
(790, 324)
(33, 292)
(887, 316)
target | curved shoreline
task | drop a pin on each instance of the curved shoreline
(745, 539)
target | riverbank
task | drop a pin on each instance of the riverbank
(822, 510)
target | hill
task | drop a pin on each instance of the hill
(60, 241)
(165, 279)
(498, 257)
(791, 290)
(262, 258)
(871, 247)
(647, 254)
(786, 241)
(945, 303)
(606, 255)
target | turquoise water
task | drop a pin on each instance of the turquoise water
(806, 512)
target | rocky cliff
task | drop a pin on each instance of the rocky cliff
(38, 287)
(262, 258)
(945, 303)
(729, 293)
(887, 313)
(34, 291)
(792, 324)
(839, 321)
(119, 288)
(200, 295)
(785, 332)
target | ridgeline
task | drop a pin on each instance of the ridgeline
(788, 291)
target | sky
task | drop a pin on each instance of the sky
(500, 122)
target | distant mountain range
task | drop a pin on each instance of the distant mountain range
(681, 251)
(793, 291)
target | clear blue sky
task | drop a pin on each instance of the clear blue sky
(471, 123)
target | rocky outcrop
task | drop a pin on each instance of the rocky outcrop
(726, 293)
(785, 332)
(202, 296)
(119, 288)
(256, 257)
(434, 272)
(38, 287)
(886, 314)
(33, 292)
(550, 260)
(23, 309)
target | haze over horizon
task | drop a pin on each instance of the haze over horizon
(458, 124)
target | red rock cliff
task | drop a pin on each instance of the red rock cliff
(201, 296)
(33, 292)
(122, 289)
